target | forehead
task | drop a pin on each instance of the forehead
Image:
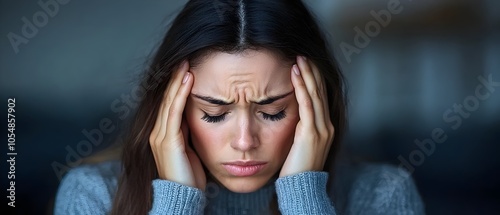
(261, 71)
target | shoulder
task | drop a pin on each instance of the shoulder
(382, 189)
(386, 179)
(382, 173)
(103, 174)
(90, 186)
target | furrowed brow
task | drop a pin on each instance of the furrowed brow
(272, 99)
(212, 100)
(264, 101)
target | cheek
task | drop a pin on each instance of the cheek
(281, 136)
(195, 128)
(200, 139)
(204, 139)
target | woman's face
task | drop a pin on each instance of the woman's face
(242, 115)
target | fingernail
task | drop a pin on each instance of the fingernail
(186, 77)
(296, 69)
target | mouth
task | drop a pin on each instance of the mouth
(244, 168)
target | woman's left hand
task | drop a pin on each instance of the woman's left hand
(314, 132)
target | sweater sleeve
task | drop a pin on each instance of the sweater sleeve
(304, 193)
(90, 189)
(384, 189)
(174, 198)
(83, 190)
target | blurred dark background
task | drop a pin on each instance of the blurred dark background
(410, 77)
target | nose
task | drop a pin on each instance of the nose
(245, 136)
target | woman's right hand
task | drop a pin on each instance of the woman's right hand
(175, 160)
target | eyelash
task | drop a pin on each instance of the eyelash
(214, 119)
(272, 117)
(276, 117)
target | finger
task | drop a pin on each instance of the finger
(314, 92)
(306, 113)
(156, 128)
(326, 123)
(320, 81)
(176, 109)
(175, 82)
(185, 130)
(172, 89)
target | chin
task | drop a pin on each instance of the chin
(244, 184)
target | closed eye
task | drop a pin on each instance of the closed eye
(219, 118)
(213, 119)
(274, 117)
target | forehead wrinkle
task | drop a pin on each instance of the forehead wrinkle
(241, 90)
(243, 85)
(255, 74)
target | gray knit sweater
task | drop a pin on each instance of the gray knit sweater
(363, 189)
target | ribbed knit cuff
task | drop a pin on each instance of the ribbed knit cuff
(174, 198)
(304, 193)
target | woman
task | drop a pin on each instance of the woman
(243, 113)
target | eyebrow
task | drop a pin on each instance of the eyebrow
(265, 101)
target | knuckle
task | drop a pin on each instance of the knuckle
(331, 131)
(331, 128)
(325, 135)
(307, 103)
(172, 111)
(152, 140)
(315, 93)
(168, 100)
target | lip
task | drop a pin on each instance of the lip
(244, 168)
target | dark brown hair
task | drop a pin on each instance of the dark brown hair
(285, 27)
